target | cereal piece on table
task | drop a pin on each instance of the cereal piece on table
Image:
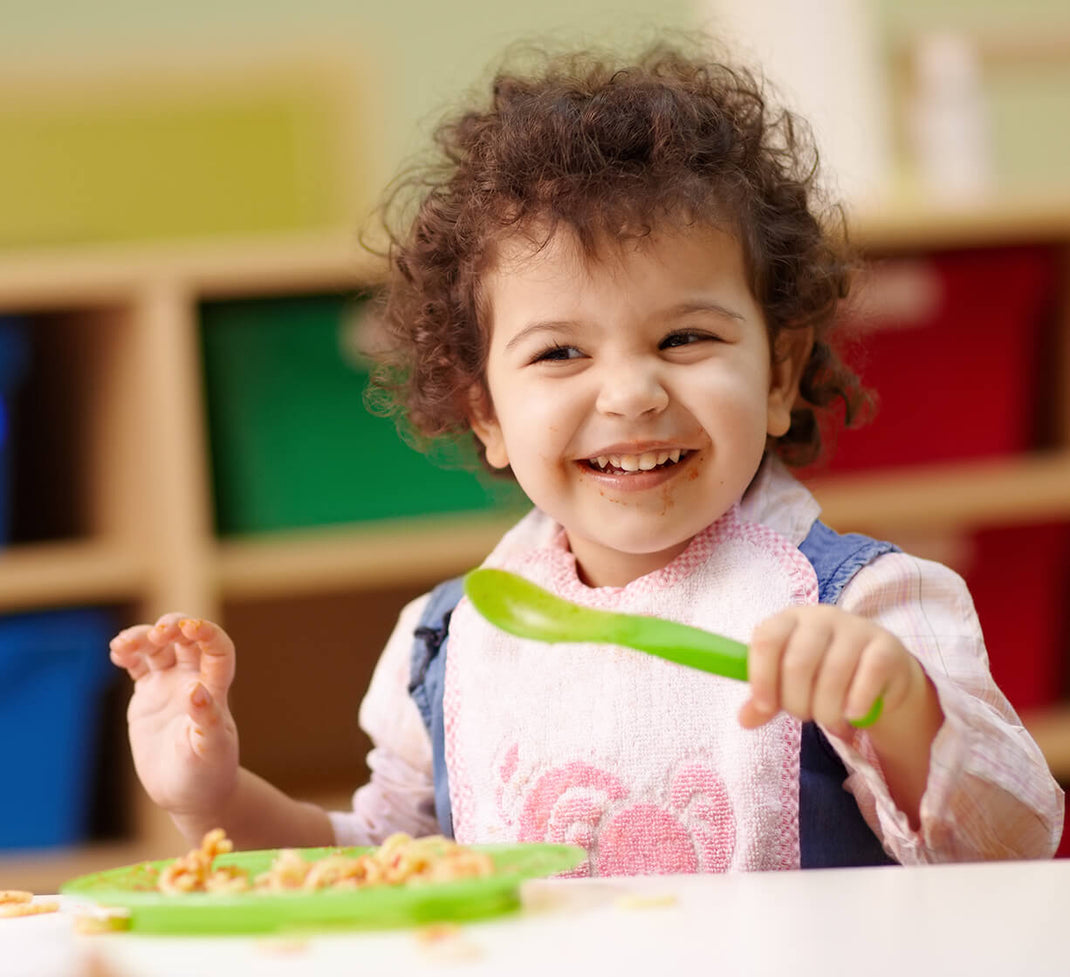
(282, 945)
(448, 943)
(15, 895)
(11, 909)
(90, 921)
(635, 900)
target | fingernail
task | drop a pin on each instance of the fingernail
(199, 696)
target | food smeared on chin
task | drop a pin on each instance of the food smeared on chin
(400, 860)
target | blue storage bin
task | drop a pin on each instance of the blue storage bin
(14, 362)
(54, 668)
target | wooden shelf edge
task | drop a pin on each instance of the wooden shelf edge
(333, 258)
(374, 554)
(58, 574)
(937, 499)
(1002, 219)
(103, 274)
(950, 496)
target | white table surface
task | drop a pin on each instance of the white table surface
(998, 918)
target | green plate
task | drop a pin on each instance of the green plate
(132, 888)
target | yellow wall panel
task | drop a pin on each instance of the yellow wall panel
(146, 159)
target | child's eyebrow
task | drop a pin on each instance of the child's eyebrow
(703, 306)
(541, 325)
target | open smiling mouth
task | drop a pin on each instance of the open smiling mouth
(629, 464)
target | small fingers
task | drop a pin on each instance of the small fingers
(763, 669)
(207, 719)
(129, 648)
(176, 639)
(873, 676)
(216, 652)
(834, 680)
(144, 648)
(166, 629)
(802, 662)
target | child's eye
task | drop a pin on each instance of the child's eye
(557, 352)
(685, 338)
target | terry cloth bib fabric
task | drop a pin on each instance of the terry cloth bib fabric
(640, 761)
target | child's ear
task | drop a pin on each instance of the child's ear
(486, 427)
(790, 357)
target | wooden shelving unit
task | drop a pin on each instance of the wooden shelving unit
(144, 538)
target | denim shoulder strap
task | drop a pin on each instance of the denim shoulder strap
(832, 831)
(837, 558)
(427, 683)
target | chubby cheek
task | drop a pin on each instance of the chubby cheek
(735, 408)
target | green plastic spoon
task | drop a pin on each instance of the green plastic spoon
(516, 605)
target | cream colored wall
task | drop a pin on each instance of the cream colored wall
(377, 75)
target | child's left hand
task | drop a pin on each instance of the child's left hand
(821, 663)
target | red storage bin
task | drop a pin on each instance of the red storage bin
(1020, 580)
(953, 347)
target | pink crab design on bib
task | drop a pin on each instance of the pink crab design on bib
(639, 761)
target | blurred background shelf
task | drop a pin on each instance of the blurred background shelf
(389, 552)
(57, 574)
(913, 222)
(947, 497)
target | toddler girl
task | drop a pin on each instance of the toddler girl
(617, 279)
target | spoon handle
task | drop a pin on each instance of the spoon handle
(682, 644)
(699, 649)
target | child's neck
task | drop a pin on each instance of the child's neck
(600, 567)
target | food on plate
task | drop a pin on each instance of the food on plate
(15, 895)
(400, 860)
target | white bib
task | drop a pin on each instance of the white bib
(640, 761)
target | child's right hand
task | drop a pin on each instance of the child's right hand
(182, 735)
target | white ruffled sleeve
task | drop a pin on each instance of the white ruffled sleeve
(990, 793)
(400, 794)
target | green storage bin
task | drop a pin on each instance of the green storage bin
(292, 444)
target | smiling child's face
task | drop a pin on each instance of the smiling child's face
(632, 394)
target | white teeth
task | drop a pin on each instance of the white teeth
(644, 462)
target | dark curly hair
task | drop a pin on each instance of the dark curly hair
(607, 149)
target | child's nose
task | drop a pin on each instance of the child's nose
(631, 390)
